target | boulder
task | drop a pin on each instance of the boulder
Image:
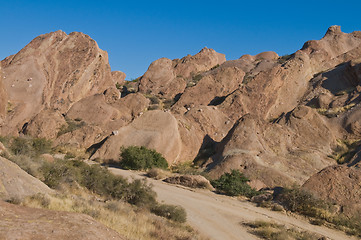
(53, 72)
(16, 183)
(118, 77)
(46, 224)
(338, 184)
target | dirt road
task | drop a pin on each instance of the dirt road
(221, 217)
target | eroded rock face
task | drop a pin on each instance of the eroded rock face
(340, 185)
(3, 97)
(100, 115)
(53, 71)
(277, 119)
(275, 153)
(154, 129)
(167, 78)
(16, 183)
(202, 61)
(46, 224)
(118, 77)
(46, 124)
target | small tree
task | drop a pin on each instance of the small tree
(234, 184)
(141, 158)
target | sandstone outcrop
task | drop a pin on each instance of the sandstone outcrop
(18, 222)
(154, 129)
(3, 98)
(16, 183)
(340, 185)
(53, 71)
(275, 153)
(266, 115)
(118, 77)
(167, 78)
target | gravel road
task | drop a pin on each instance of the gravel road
(221, 217)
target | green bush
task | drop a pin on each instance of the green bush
(30, 146)
(175, 213)
(98, 180)
(234, 184)
(21, 146)
(140, 194)
(41, 145)
(301, 201)
(141, 158)
(70, 126)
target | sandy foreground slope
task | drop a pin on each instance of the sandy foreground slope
(221, 217)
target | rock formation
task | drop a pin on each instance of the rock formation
(53, 72)
(45, 224)
(340, 185)
(279, 120)
(16, 183)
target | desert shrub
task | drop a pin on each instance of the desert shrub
(5, 140)
(98, 180)
(58, 173)
(158, 173)
(234, 184)
(26, 151)
(30, 165)
(70, 126)
(153, 99)
(118, 85)
(274, 231)
(186, 168)
(139, 193)
(153, 107)
(197, 78)
(43, 200)
(301, 201)
(214, 67)
(305, 203)
(168, 103)
(13, 200)
(21, 146)
(41, 145)
(284, 58)
(175, 213)
(247, 78)
(30, 146)
(141, 158)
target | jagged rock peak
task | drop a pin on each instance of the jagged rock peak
(333, 30)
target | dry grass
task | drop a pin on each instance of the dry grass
(273, 231)
(345, 150)
(332, 112)
(130, 222)
(157, 173)
(71, 152)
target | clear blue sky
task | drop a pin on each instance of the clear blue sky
(135, 33)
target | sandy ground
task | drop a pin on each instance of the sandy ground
(221, 217)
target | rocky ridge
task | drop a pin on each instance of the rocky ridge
(280, 120)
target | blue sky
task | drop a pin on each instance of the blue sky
(135, 33)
